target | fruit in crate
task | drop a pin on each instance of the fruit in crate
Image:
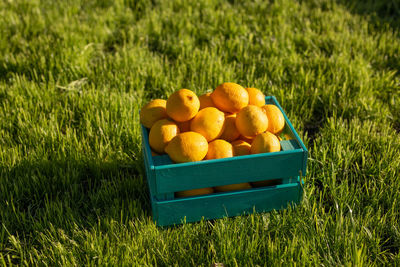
(230, 132)
(230, 97)
(161, 133)
(184, 126)
(256, 97)
(241, 148)
(246, 139)
(153, 111)
(206, 101)
(251, 121)
(187, 147)
(230, 121)
(219, 149)
(195, 192)
(264, 143)
(182, 105)
(208, 122)
(276, 121)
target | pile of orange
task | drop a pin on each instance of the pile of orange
(230, 121)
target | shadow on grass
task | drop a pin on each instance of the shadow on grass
(380, 12)
(69, 194)
(319, 115)
(383, 15)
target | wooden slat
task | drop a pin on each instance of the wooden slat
(227, 204)
(210, 173)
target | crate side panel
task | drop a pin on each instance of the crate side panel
(227, 204)
(150, 172)
(234, 171)
(146, 146)
(151, 184)
(289, 145)
(294, 133)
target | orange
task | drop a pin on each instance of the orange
(182, 105)
(184, 126)
(153, 111)
(232, 187)
(218, 149)
(195, 192)
(256, 97)
(240, 148)
(206, 101)
(276, 121)
(230, 132)
(230, 97)
(251, 121)
(208, 122)
(161, 133)
(246, 139)
(265, 142)
(187, 147)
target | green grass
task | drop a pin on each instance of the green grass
(74, 74)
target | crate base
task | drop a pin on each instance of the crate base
(227, 204)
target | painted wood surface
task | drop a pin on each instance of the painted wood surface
(272, 99)
(228, 171)
(227, 204)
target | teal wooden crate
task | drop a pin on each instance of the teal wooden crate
(165, 178)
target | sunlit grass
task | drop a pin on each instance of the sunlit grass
(74, 74)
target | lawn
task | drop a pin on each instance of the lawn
(74, 74)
